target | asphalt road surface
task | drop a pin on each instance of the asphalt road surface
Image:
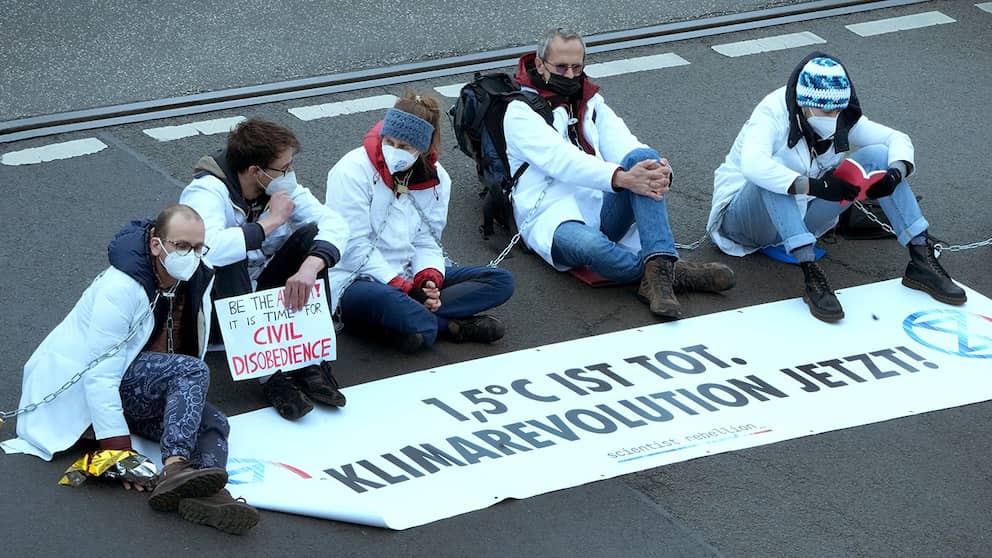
(916, 486)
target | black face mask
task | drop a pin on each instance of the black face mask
(566, 87)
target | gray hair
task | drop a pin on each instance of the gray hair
(544, 43)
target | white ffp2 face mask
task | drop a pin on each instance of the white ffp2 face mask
(284, 183)
(180, 266)
(397, 160)
(824, 126)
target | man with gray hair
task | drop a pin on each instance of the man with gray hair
(593, 195)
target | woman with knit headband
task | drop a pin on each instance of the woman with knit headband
(783, 185)
(392, 282)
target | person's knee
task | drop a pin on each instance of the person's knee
(637, 155)
(502, 282)
(874, 156)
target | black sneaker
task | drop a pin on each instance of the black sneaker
(317, 383)
(820, 298)
(287, 399)
(924, 273)
(476, 329)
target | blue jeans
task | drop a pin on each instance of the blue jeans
(165, 399)
(758, 217)
(576, 244)
(370, 306)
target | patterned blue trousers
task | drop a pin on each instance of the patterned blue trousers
(165, 399)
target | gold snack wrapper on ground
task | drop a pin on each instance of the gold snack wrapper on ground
(126, 465)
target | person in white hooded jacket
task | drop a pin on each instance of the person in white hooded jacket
(593, 194)
(265, 231)
(393, 282)
(777, 186)
(134, 345)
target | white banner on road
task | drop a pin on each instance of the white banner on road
(429, 445)
(262, 336)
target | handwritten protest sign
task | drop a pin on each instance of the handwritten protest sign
(262, 336)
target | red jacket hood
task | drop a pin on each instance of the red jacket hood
(424, 175)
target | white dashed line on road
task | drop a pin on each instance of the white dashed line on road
(768, 44)
(987, 6)
(451, 91)
(53, 152)
(205, 127)
(353, 106)
(902, 23)
(631, 65)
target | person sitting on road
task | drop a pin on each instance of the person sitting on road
(266, 231)
(590, 181)
(394, 281)
(148, 303)
(777, 185)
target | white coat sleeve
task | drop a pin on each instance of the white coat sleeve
(114, 308)
(530, 139)
(227, 244)
(331, 227)
(762, 137)
(427, 254)
(867, 132)
(351, 196)
(615, 138)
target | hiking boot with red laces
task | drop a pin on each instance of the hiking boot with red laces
(317, 382)
(180, 480)
(219, 511)
(476, 329)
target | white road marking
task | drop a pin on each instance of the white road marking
(53, 152)
(902, 23)
(205, 127)
(768, 44)
(451, 91)
(987, 6)
(631, 65)
(328, 110)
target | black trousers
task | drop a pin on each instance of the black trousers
(234, 280)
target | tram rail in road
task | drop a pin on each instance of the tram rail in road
(86, 119)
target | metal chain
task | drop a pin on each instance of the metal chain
(516, 237)
(437, 238)
(938, 247)
(74, 379)
(169, 324)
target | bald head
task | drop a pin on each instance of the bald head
(172, 215)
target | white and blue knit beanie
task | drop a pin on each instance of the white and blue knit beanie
(409, 128)
(823, 84)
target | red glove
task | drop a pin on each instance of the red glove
(428, 274)
(401, 284)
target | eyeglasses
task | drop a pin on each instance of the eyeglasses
(285, 170)
(562, 69)
(182, 247)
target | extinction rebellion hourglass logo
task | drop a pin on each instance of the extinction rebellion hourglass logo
(953, 332)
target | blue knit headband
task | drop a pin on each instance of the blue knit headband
(408, 128)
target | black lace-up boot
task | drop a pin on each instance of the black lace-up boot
(820, 298)
(924, 273)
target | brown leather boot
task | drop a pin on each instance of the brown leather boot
(656, 288)
(219, 511)
(707, 277)
(180, 480)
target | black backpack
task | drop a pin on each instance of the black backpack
(477, 118)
